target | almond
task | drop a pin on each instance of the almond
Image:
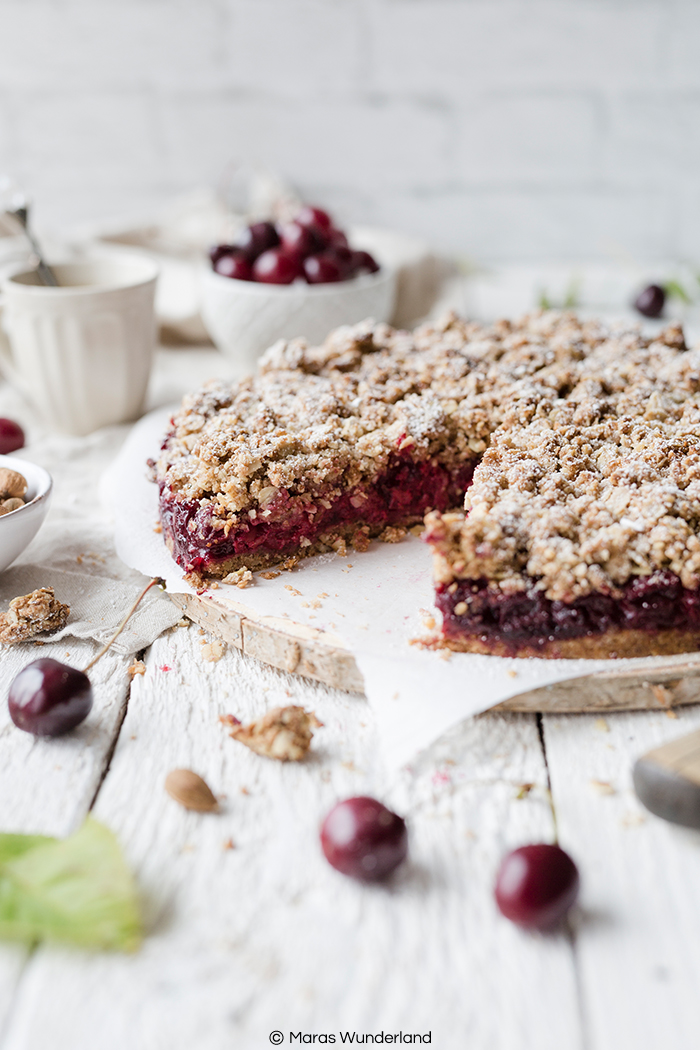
(190, 791)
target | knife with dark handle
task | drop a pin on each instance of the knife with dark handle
(667, 780)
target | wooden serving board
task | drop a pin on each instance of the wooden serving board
(323, 656)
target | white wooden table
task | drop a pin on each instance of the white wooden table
(250, 931)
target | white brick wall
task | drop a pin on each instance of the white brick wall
(505, 130)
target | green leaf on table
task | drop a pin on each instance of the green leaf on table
(675, 290)
(76, 890)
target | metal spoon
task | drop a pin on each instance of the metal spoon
(46, 274)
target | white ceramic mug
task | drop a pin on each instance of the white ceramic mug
(82, 353)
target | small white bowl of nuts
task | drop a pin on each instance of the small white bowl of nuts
(25, 493)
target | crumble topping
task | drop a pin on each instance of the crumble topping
(585, 492)
(32, 614)
(588, 436)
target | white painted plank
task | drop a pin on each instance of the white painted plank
(266, 935)
(46, 786)
(638, 940)
(13, 958)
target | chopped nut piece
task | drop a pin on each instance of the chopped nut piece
(12, 483)
(190, 791)
(602, 787)
(360, 540)
(272, 575)
(137, 667)
(663, 695)
(213, 651)
(32, 614)
(284, 733)
(240, 578)
(392, 534)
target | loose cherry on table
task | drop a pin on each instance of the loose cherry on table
(536, 885)
(49, 698)
(362, 838)
(651, 301)
(11, 437)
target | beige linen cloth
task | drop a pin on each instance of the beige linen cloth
(74, 551)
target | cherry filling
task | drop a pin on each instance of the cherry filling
(406, 490)
(648, 603)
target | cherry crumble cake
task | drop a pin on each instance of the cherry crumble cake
(577, 443)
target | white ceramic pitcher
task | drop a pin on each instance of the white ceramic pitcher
(82, 353)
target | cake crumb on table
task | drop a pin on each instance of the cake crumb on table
(240, 578)
(213, 651)
(32, 614)
(284, 733)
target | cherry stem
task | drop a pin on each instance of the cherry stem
(156, 581)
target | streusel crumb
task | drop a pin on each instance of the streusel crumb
(240, 578)
(32, 614)
(284, 733)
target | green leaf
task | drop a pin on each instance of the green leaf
(674, 290)
(76, 890)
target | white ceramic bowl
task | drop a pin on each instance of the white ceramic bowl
(19, 527)
(244, 318)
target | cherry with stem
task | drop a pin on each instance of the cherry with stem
(49, 698)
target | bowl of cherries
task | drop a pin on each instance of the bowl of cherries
(287, 279)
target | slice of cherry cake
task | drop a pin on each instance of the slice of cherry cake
(581, 531)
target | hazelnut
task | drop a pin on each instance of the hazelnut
(12, 504)
(12, 483)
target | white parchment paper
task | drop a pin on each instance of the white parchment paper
(374, 601)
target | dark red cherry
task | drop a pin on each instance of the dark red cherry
(301, 240)
(277, 266)
(256, 239)
(236, 264)
(345, 259)
(536, 885)
(49, 698)
(11, 436)
(362, 838)
(217, 250)
(323, 268)
(309, 216)
(365, 262)
(651, 301)
(337, 239)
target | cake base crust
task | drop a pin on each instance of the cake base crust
(608, 646)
